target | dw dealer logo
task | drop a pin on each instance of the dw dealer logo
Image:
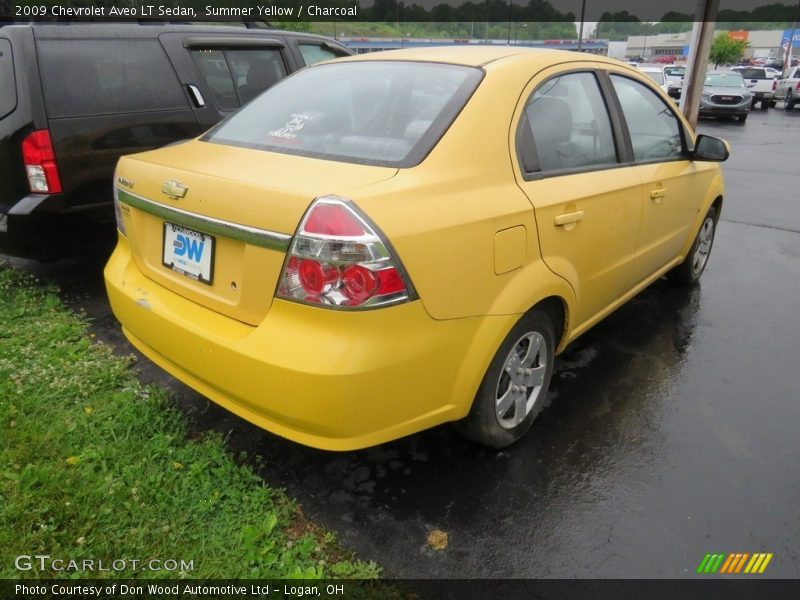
(734, 564)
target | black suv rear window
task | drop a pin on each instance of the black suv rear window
(102, 77)
(8, 86)
(387, 113)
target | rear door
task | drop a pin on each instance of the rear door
(104, 98)
(587, 208)
(221, 72)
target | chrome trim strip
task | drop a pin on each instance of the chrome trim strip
(244, 233)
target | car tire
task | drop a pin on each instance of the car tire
(691, 269)
(773, 103)
(741, 118)
(788, 102)
(525, 357)
(764, 104)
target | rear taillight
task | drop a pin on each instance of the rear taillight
(40, 163)
(798, 86)
(339, 260)
(774, 84)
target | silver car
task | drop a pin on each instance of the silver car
(725, 94)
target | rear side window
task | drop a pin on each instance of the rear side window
(104, 77)
(8, 85)
(569, 124)
(314, 53)
(236, 76)
(380, 113)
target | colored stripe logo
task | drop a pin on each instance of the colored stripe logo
(735, 563)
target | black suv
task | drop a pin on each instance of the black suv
(75, 97)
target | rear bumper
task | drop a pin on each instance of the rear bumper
(328, 379)
(40, 227)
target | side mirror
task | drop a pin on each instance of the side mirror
(711, 149)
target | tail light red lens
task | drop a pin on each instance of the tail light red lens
(338, 259)
(333, 219)
(39, 159)
(774, 84)
(798, 86)
(358, 283)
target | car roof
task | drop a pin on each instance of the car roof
(479, 55)
(651, 70)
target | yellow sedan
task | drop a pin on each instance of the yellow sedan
(384, 243)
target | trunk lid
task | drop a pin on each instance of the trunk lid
(249, 201)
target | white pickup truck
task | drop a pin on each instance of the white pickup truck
(761, 85)
(788, 88)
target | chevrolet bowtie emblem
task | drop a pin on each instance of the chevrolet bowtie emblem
(174, 189)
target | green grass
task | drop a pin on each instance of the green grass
(94, 465)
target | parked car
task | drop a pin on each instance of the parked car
(761, 85)
(343, 273)
(656, 75)
(725, 94)
(788, 88)
(74, 98)
(665, 60)
(674, 76)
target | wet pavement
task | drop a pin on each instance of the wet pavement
(673, 429)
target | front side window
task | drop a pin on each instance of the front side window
(654, 129)
(569, 124)
(387, 113)
(237, 75)
(314, 53)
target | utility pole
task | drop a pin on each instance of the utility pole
(699, 48)
(580, 33)
(510, 4)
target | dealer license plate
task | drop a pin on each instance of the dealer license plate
(189, 252)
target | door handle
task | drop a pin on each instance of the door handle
(197, 97)
(658, 194)
(568, 218)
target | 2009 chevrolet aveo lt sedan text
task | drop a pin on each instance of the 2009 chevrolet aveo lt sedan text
(381, 244)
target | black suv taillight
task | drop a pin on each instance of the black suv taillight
(40, 163)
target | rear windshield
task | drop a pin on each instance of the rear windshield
(8, 85)
(753, 73)
(378, 113)
(104, 77)
(674, 71)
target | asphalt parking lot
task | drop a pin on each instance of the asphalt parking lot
(673, 428)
